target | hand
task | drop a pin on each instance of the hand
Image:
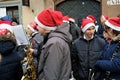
(31, 50)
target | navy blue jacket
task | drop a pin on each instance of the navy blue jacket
(10, 66)
(85, 54)
(105, 64)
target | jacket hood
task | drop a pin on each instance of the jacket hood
(62, 32)
(6, 47)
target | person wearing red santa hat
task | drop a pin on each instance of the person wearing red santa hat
(10, 64)
(92, 17)
(74, 29)
(104, 18)
(86, 50)
(55, 60)
(110, 60)
(35, 40)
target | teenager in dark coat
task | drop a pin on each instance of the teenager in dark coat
(86, 51)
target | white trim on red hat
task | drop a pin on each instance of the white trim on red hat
(71, 19)
(87, 26)
(117, 28)
(89, 18)
(66, 21)
(30, 28)
(6, 26)
(43, 26)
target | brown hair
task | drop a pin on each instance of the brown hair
(9, 36)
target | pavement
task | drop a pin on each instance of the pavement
(27, 15)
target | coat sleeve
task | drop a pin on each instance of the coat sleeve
(107, 65)
(53, 63)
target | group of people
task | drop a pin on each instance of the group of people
(56, 54)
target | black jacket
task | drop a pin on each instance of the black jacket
(84, 55)
(10, 66)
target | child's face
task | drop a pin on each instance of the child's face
(90, 32)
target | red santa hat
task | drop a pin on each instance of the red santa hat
(66, 19)
(86, 23)
(105, 17)
(91, 17)
(32, 26)
(72, 19)
(5, 22)
(6, 26)
(113, 23)
(49, 19)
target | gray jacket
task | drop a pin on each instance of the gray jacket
(55, 62)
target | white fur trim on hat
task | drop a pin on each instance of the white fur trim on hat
(89, 18)
(43, 26)
(30, 28)
(6, 26)
(71, 19)
(66, 21)
(117, 28)
(87, 26)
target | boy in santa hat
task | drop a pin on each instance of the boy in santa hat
(35, 40)
(86, 50)
(110, 62)
(55, 61)
(97, 27)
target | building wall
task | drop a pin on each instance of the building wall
(110, 10)
(36, 6)
(39, 5)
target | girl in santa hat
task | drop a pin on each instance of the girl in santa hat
(109, 65)
(10, 66)
(86, 51)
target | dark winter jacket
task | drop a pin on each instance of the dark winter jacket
(85, 54)
(10, 66)
(105, 64)
(55, 63)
